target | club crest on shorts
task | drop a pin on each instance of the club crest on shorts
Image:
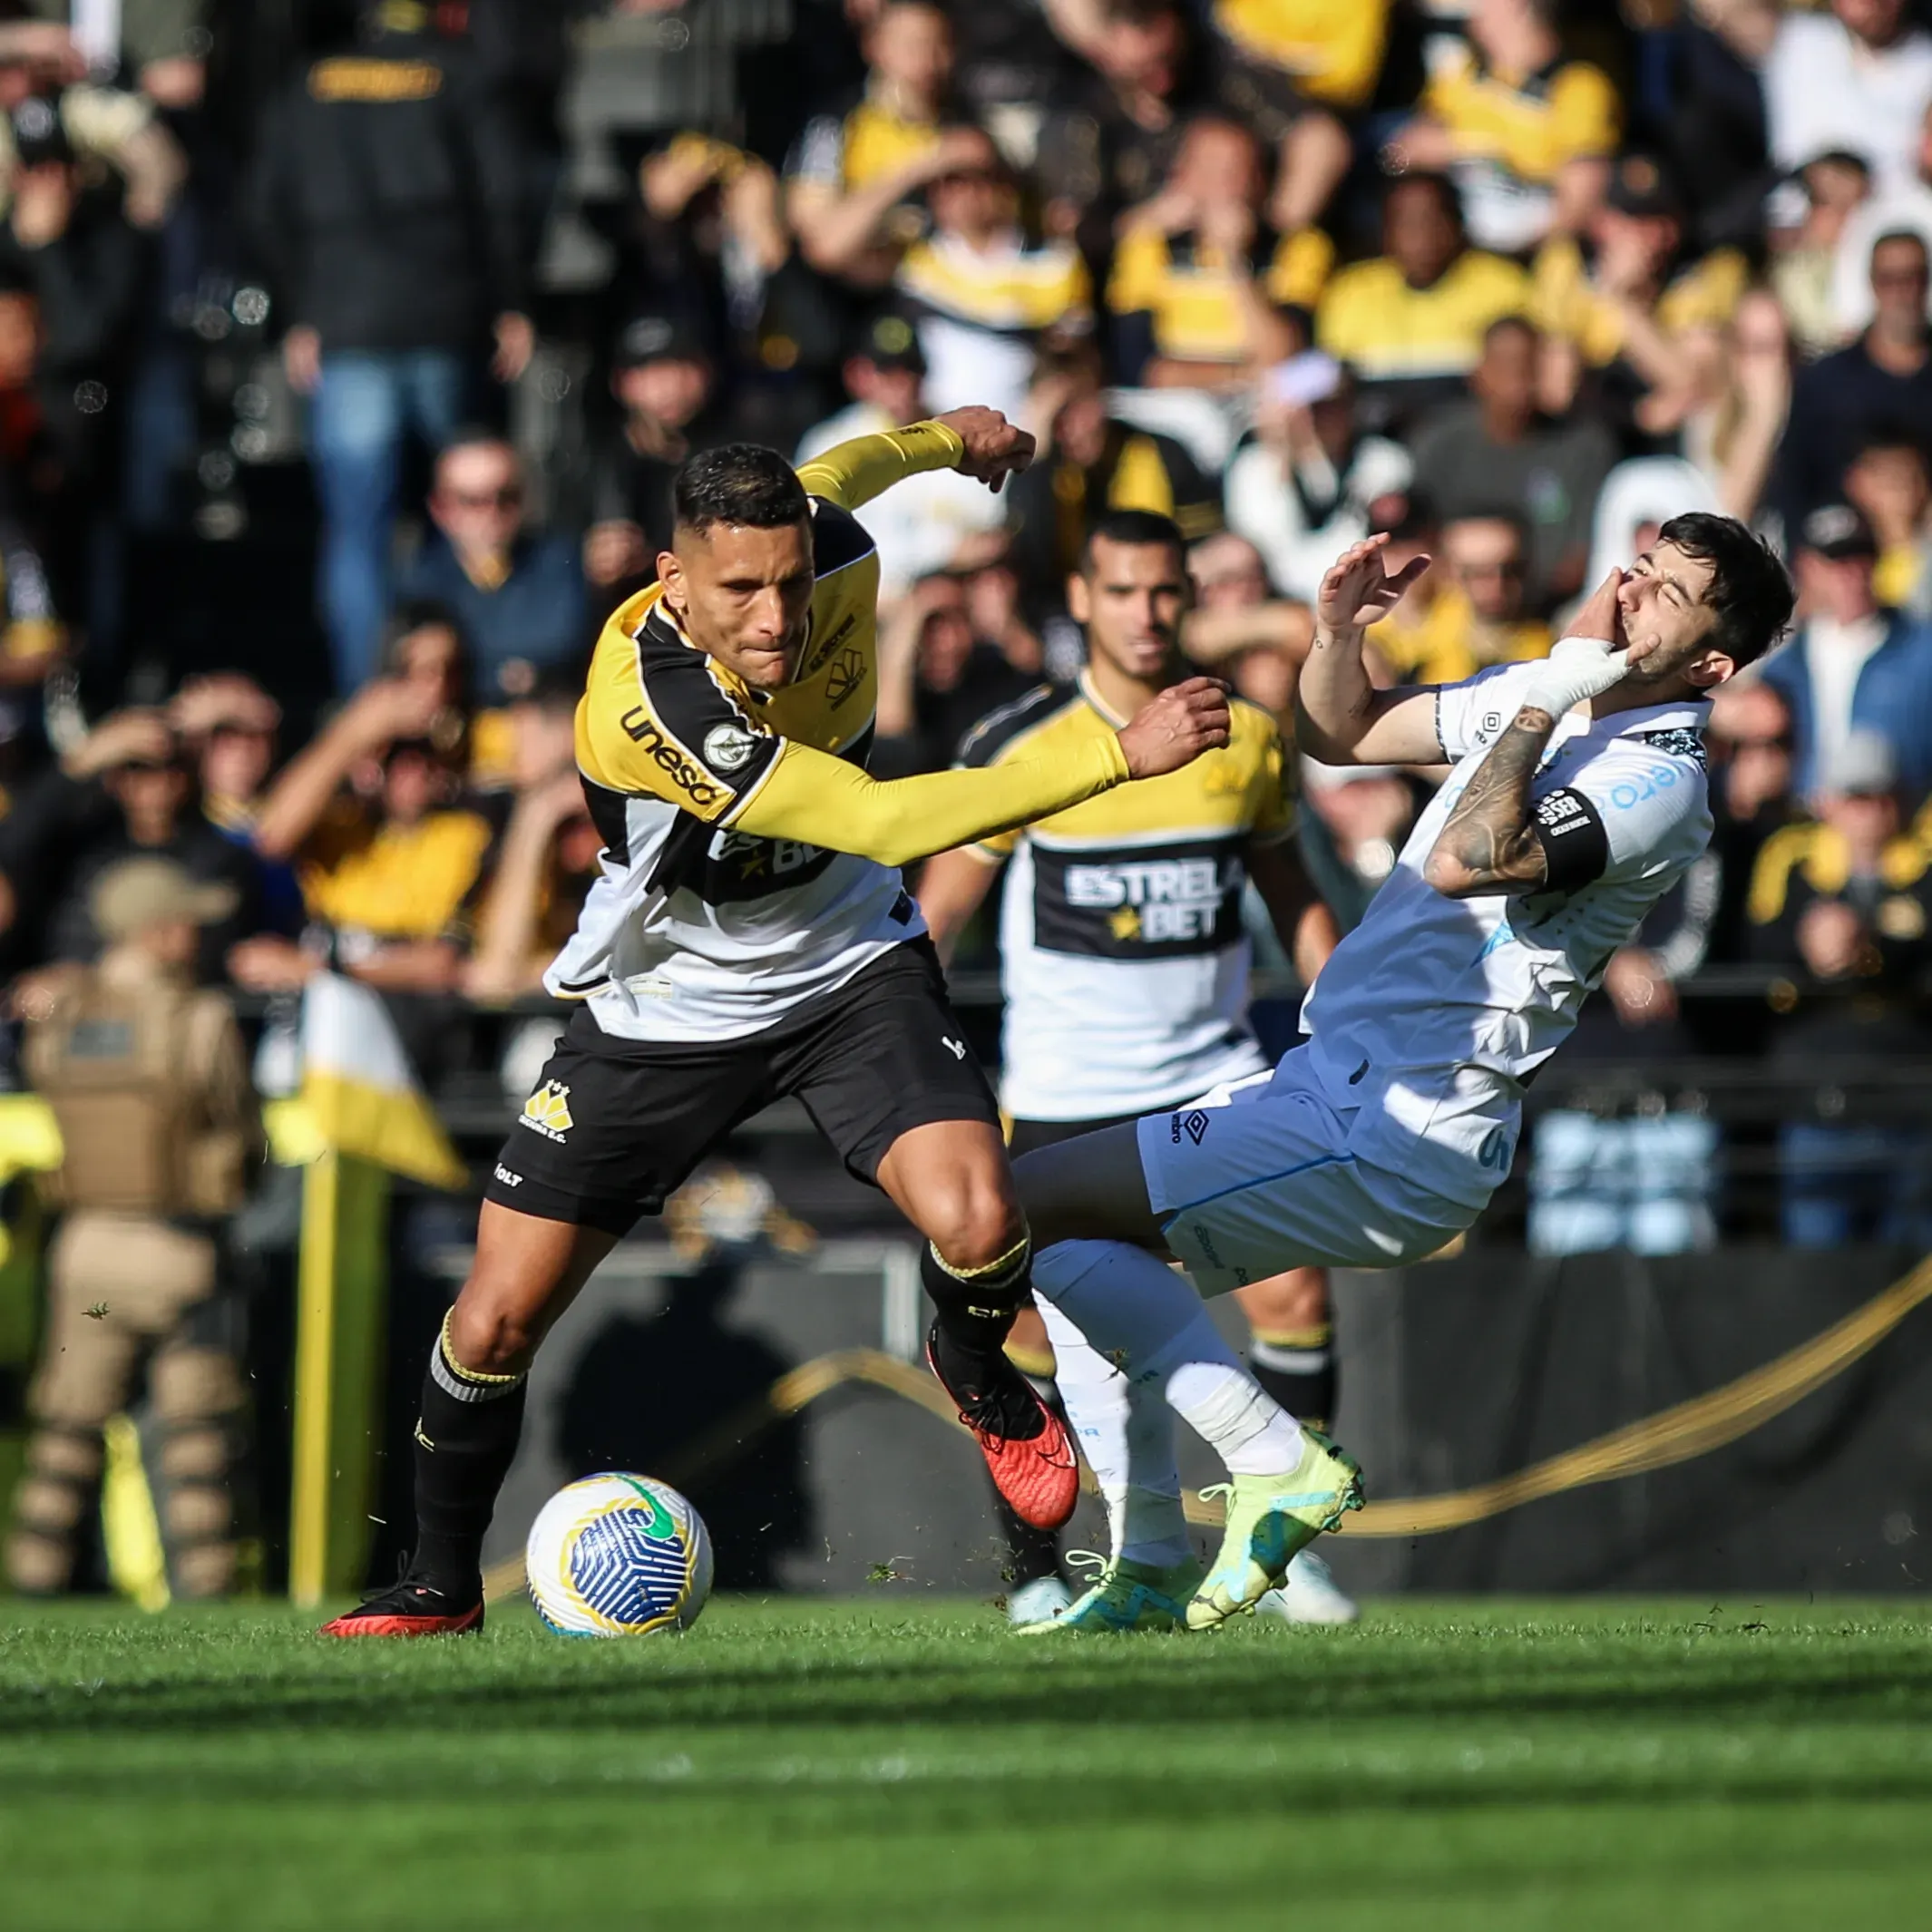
(548, 1111)
(1194, 1124)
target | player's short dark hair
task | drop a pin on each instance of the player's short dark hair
(1750, 591)
(738, 483)
(1136, 527)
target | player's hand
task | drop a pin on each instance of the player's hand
(1175, 728)
(995, 448)
(1359, 590)
(1588, 659)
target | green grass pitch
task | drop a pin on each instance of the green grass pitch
(902, 1762)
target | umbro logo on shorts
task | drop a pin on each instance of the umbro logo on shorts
(548, 1111)
(1194, 1124)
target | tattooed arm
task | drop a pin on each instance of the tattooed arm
(1488, 844)
(1492, 841)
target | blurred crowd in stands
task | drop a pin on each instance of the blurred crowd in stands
(347, 354)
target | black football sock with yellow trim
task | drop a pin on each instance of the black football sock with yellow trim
(976, 1307)
(466, 1439)
(1297, 1367)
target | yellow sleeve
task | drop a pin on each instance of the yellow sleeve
(1350, 54)
(1140, 263)
(1558, 298)
(1298, 272)
(819, 800)
(1337, 318)
(1585, 118)
(852, 473)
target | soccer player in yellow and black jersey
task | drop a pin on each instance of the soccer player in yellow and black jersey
(1129, 906)
(750, 938)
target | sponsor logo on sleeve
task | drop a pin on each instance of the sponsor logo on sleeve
(687, 777)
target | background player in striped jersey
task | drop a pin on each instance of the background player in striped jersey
(1125, 972)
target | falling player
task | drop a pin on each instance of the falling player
(1576, 800)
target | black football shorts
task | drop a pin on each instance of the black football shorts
(616, 1125)
(1022, 1136)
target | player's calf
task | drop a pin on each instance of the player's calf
(526, 1272)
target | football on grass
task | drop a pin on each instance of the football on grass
(617, 1555)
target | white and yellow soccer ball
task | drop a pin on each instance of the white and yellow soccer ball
(617, 1555)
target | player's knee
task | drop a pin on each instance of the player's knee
(975, 1225)
(490, 1333)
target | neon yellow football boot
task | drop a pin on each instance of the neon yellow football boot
(1269, 1518)
(1125, 1597)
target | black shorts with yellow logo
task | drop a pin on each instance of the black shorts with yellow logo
(616, 1125)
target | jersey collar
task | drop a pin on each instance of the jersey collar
(1681, 714)
(1085, 683)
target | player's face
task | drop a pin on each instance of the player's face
(1132, 601)
(744, 596)
(1667, 625)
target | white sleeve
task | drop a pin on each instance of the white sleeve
(1471, 716)
(1633, 810)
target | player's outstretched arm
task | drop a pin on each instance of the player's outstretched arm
(1490, 842)
(1340, 717)
(819, 800)
(978, 443)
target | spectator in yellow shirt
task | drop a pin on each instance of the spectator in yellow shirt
(1524, 131)
(1199, 284)
(1623, 301)
(1285, 69)
(982, 292)
(1478, 619)
(853, 179)
(1410, 323)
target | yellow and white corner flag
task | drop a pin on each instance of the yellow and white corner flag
(360, 1090)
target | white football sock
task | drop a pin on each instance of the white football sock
(1137, 1312)
(1127, 1435)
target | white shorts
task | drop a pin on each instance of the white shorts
(1256, 1178)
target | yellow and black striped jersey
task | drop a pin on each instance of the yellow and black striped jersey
(1335, 51)
(1370, 317)
(1185, 288)
(1565, 303)
(749, 862)
(1126, 963)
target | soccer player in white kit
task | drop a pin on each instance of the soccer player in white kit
(1576, 801)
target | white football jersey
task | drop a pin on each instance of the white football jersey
(1124, 961)
(1433, 1015)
